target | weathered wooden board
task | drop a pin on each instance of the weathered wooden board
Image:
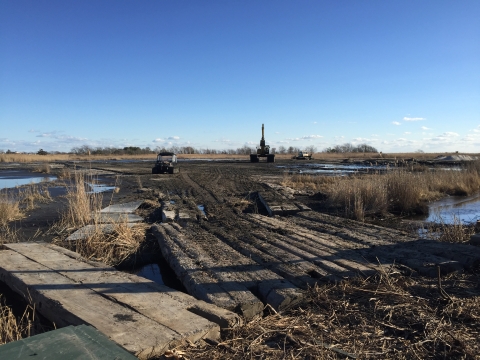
(200, 283)
(116, 217)
(89, 230)
(129, 207)
(141, 316)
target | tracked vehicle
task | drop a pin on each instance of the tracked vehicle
(262, 151)
(166, 164)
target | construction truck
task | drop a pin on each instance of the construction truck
(165, 164)
(262, 151)
(303, 155)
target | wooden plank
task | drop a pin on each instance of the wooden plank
(129, 207)
(115, 285)
(228, 265)
(287, 265)
(66, 302)
(218, 315)
(200, 283)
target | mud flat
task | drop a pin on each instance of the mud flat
(143, 317)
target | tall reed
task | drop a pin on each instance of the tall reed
(399, 190)
(9, 208)
(11, 328)
(81, 202)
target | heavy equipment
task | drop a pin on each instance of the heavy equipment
(303, 155)
(262, 151)
(165, 164)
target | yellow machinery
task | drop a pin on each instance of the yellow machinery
(262, 151)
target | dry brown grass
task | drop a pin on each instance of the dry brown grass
(30, 195)
(452, 232)
(112, 247)
(28, 158)
(387, 316)
(43, 168)
(9, 208)
(115, 247)
(81, 203)
(11, 328)
(399, 190)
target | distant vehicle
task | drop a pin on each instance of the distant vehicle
(262, 151)
(166, 164)
(303, 156)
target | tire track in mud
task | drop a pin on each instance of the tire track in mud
(201, 189)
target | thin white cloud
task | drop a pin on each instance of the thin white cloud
(413, 118)
(174, 138)
(396, 123)
(157, 140)
(50, 134)
(314, 122)
(223, 141)
(425, 128)
(407, 132)
(308, 137)
(477, 129)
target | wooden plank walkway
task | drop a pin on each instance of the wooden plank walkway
(143, 317)
(256, 260)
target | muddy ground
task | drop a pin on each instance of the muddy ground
(390, 275)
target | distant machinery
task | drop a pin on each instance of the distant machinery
(165, 164)
(262, 151)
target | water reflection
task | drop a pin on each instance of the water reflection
(151, 272)
(334, 169)
(99, 188)
(13, 178)
(462, 208)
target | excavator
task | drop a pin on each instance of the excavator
(262, 151)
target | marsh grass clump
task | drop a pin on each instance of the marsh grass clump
(30, 195)
(13, 328)
(9, 208)
(115, 247)
(399, 191)
(43, 168)
(310, 182)
(81, 202)
(359, 196)
(111, 243)
(454, 232)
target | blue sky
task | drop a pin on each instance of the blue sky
(398, 75)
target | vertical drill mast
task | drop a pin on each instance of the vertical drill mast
(262, 141)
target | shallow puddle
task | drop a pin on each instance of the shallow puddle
(462, 208)
(99, 188)
(202, 209)
(13, 178)
(161, 273)
(333, 169)
(151, 272)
